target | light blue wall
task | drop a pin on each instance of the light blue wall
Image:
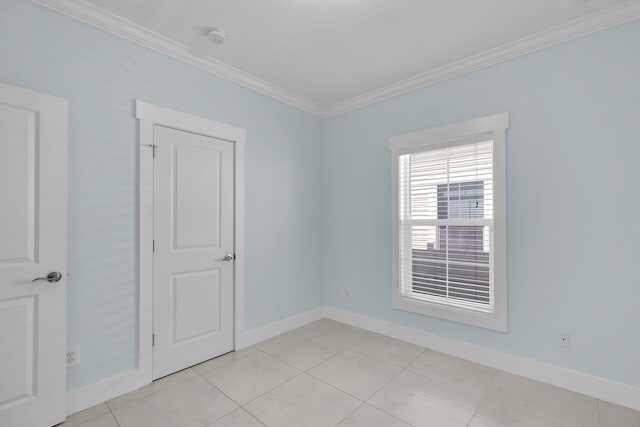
(573, 160)
(101, 75)
(317, 192)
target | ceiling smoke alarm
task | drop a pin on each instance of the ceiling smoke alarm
(217, 35)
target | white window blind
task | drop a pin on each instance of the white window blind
(446, 225)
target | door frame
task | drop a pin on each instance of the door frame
(148, 116)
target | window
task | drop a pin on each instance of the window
(449, 222)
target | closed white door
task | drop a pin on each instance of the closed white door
(194, 245)
(33, 245)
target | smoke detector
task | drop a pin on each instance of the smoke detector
(217, 35)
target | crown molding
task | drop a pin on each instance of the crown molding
(89, 14)
(111, 23)
(610, 17)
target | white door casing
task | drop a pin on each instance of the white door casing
(33, 243)
(149, 117)
(193, 255)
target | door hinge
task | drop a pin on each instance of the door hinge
(153, 245)
(153, 340)
(153, 148)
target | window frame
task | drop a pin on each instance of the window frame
(490, 127)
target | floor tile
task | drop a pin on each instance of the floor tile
(355, 373)
(435, 364)
(543, 400)
(422, 401)
(84, 415)
(192, 403)
(104, 420)
(154, 387)
(305, 348)
(327, 326)
(392, 351)
(491, 414)
(619, 416)
(303, 401)
(251, 376)
(237, 418)
(225, 359)
(368, 416)
(330, 330)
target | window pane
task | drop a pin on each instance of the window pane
(453, 182)
(447, 262)
(460, 273)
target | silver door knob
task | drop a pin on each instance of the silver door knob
(52, 277)
(228, 257)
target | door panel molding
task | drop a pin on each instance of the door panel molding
(148, 116)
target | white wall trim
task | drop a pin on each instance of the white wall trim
(590, 385)
(150, 115)
(96, 393)
(111, 23)
(262, 333)
(114, 24)
(610, 17)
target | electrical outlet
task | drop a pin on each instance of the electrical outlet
(73, 356)
(347, 293)
(565, 340)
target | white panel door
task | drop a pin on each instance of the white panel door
(194, 244)
(33, 244)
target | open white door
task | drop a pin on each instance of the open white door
(33, 245)
(193, 271)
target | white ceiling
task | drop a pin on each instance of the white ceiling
(330, 51)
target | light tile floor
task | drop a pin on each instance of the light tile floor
(330, 374)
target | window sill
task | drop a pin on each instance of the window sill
(496, 321)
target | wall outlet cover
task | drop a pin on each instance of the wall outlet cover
(73, 356)
(565, 340)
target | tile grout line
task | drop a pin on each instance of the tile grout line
(223, 365)
(349, 347)
(300, 372)
(362, 402)
(113, 416)
(349, 414)
(253, 416)
(221, 391)
(282, 361)
(484, 396)
(334, 387)
(268, 391)
(376, 392)
(224, 394)
(346, 392)
(150, 394)
(424, 349)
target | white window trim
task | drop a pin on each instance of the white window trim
(495, 125)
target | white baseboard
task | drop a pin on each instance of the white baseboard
(96, 393)
(262, 333)
(590, 385)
